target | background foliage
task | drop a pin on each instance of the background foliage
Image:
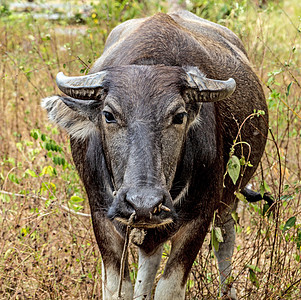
(47, 247)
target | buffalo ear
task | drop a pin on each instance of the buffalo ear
(208, 90)
(77, 114)
(86, 108)
(77, 117)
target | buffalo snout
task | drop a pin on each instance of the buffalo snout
(152, 207)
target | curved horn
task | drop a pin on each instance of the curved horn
(81, 87)
(210, 90)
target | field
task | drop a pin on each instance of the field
(47, 247)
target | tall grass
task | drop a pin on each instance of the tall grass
(47, 247)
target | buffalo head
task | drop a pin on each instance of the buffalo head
(143, 114)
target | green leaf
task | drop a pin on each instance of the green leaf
(233, 167)
(218, 234)
(13, 178)
(235, 217)
(249, 164)
(48, 170)
(264, 188)
(240, 196)
(254, 268)
(253, 278)
(19, 146)
(229, 280)
(48, 187)
(288, 89)
(55, 161)
(76, 199)
(31, 173)
(214, 240)
(252, 275)
(48, 146)
(266, 210)
(35, 134)
(216, 237)
(242, 161)
(189, 285)
(289, 224)
(5, 198)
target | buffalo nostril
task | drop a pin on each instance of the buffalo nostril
(131, 204)
(160, 207)
(148, 203)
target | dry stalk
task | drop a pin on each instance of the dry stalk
(124, 253)
(45, 199)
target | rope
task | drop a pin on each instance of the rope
(124, 253)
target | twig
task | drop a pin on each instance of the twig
(294, 283)
(291, 109)
(45, 199)
(124, 253)
(276, 209)
(83, 62)
(281, 63)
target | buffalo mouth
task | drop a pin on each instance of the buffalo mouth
(145, 224)
(142, 208)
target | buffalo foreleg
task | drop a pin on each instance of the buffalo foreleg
(111, 243)
(225, 251)
(147, 270)
(185, 247)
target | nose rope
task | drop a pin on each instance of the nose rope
(137, 237)
(124, 253)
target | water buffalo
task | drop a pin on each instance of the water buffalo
(151, 130)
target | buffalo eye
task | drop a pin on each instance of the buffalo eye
(178, 118)
(109, 117)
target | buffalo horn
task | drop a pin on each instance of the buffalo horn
(211, 90)
(81, 87)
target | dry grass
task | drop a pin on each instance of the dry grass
(47, 252)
